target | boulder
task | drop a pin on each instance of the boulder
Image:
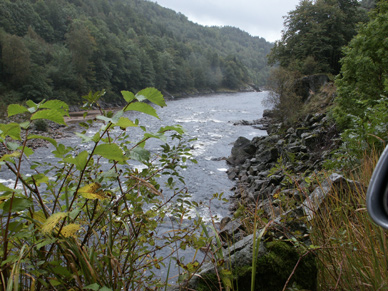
(231, 231)
(242, 150)
(275, 262)
(335, 182)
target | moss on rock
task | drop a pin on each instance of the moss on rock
(274, 268)
(272, 271)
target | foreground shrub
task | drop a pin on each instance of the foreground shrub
(366, 133)
(91, 220)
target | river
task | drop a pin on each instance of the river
(210, 119)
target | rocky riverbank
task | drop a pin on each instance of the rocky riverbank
(274, 177)
(269, 167)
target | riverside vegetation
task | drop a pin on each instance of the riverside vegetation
(297, 224)
(336, 125)
(75, 225)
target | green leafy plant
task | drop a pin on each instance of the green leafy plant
(365, 133)
(90, 220)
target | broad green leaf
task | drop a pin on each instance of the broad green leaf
(27, 151)
(128, 96)
(49, 114)
(90, 188)
(158, 135)
(55, 282)
(74, 213)
(4, 188)
(10, 157)
(15, 226)
(37, 179)
(105, 289)
(94, 286)
(179, 129)
(18, 204)
(61, 151)
(93, 196)
(151, 94)
(104, 118)
(96, 137)
(110, 151)
(140, 154)
(86, 138)
(79, 161)
(25, 124)
(14, 109)
(31, 103)
(13, 146)
(63, 272)
(142, 107)
(116, 117)
(57, 105)
(111, 174)
(38, 216)
(11, 129)
(45, 242)
(125, 122)
(49, 139)
(52, 221)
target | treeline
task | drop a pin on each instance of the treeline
(312, 42)
(64, 48)
(356, 60)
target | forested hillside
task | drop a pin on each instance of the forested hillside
(65, 48)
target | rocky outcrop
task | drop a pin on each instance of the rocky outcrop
(271, 160)
(266, 171)
(335, 183)
(275, 262)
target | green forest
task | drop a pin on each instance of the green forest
(62, 49)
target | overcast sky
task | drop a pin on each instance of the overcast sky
(262, 18)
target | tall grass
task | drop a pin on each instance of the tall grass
(352, 249)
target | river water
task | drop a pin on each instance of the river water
(210, 119)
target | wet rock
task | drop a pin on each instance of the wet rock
(267, 156)
(242, 150)
(275, 262)
(230, 231)
(335, 182)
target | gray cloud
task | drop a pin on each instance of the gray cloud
(257, 17)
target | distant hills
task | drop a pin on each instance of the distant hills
(64, 48)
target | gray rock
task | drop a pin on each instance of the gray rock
(229, 230)
(242, 150)
(335, 182)
(267, 156)
(311, 140)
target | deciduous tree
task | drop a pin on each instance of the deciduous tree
(317, 30)
(364, 73)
